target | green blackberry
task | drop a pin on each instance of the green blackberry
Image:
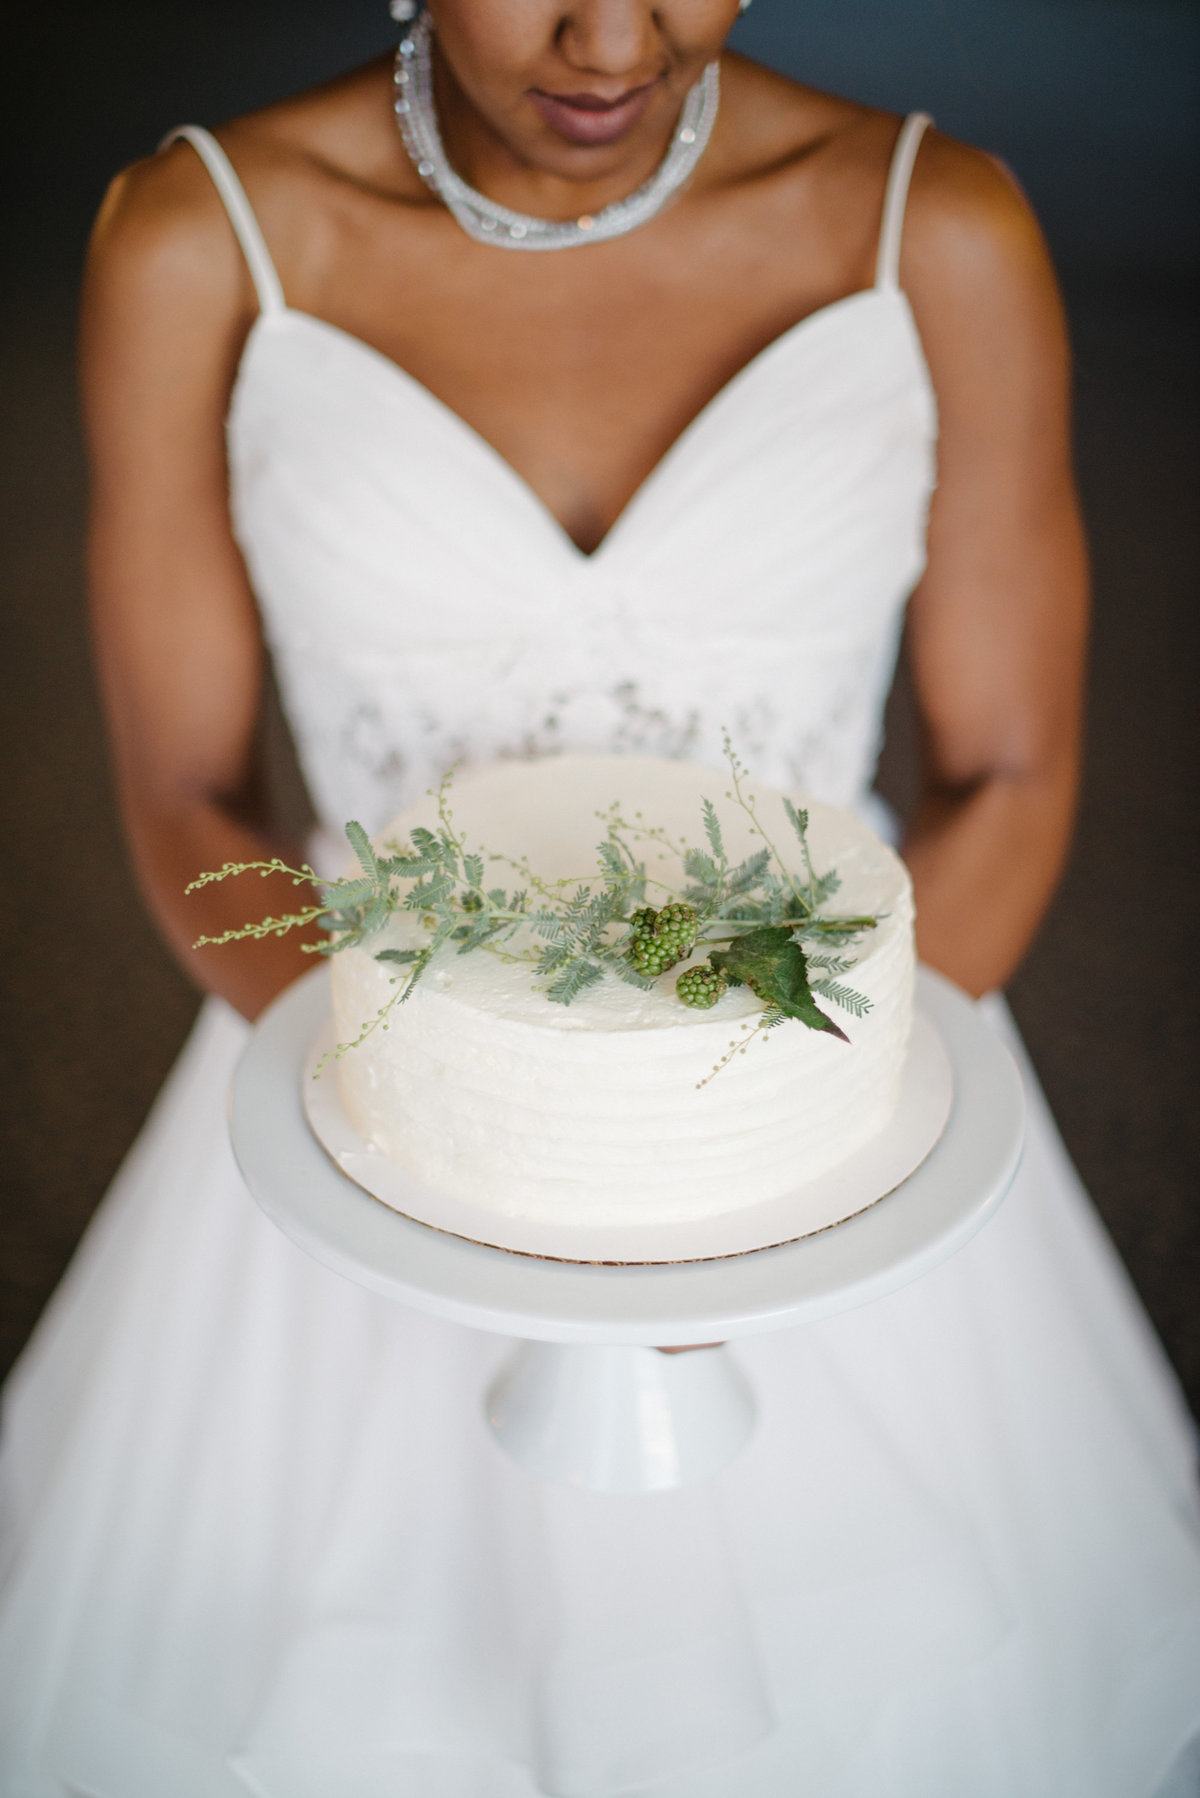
(652, 956)
(642, 922)
(678, 926)
(660, 939)
(701, 987)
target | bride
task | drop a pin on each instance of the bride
(576, 386)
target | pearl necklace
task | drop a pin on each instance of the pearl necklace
(489, 222)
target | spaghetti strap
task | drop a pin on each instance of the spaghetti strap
(891, 230)
(241, 214)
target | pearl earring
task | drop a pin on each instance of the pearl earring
(402, 10)
(743, 5)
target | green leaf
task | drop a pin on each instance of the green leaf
(409, 867)
(479, 933)
(360, 842)
(848, 997)
(350, 940)
(341, 894)
(573, 980)
(712, 830)
(798, 822)
(401, 956)
(773, 965)
(426, 844)
(429, 893)
(702, 868)
(748, 874)
(624, 971)
(612, 863)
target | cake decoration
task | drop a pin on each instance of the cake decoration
(767, 925)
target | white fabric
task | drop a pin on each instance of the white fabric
(258, 1538)
(412, 630)
(895, 198)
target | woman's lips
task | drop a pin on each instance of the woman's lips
(589, 118)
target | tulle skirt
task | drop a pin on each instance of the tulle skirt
(258, 1538)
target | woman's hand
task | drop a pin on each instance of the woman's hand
(996, 630)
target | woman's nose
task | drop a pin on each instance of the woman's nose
(614, 38)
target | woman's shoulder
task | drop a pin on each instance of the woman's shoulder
(162, 222)
(964, 207)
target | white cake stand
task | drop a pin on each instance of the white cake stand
(584, 1398)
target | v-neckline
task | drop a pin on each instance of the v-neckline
(482, 446)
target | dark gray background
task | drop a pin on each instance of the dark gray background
(1094, 106)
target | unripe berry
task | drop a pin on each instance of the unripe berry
(652, 956)
(678, 925)
(700, 987)
(661, 938)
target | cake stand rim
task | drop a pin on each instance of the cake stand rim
(932, 1214)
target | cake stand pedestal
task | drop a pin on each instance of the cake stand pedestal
(584, 1399)
(618, 1418)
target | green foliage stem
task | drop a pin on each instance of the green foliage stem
(753, 917)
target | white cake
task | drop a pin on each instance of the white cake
(594, 1112)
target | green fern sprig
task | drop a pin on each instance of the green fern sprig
(848, 997)
(762, 924)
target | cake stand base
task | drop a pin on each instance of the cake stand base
(615, 1418)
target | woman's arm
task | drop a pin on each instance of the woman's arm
(997, 627)
(167, 305)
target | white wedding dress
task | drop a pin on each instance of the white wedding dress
(259, 1539)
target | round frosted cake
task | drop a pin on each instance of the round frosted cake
(603, 1111)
